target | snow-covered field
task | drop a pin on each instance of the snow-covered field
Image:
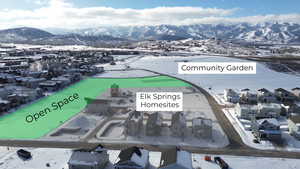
(58, 159)
(264, 78)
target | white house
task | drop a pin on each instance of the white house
(175, 159)
(133, 158)
(245, 111)
(296, 92)
(268, 110)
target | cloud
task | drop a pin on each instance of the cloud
(64, 14)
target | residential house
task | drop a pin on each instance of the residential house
(133, 158)
(247, 97)
(33, 82)
(134, 124)
(202, 128)
(3, 91)
(266, 129)
(154, 124)
(245, 111)
(268, 110)
(294, 126)
(15, 100)
(96, 159)
(61, 81)
(231, 96)
(284, 95)
(178, 124)
(49, 86)
(176, 159)
(265, 96)
(296, 92)
(4, 105)
(74, 77)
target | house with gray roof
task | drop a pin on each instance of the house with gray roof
(248, 97)
(266, 129)
(296, 92)
(266, 96)
(82, 159)
(284, 95)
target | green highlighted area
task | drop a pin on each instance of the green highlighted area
(38, 119)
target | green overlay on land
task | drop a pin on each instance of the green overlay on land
(43, 116)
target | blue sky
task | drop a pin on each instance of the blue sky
(77, 14)
(247, 7)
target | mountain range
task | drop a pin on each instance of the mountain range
(28, 35)
(265, 33)
(276, 33)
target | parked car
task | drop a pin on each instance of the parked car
(221, 163)
(23, 154)
(255, 141)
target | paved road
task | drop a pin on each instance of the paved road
(116, 146)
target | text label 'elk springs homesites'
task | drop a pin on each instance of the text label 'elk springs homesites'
(217, 68)
(159, 101)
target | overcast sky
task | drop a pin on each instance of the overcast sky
(78, 14)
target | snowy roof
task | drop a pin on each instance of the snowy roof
(269, 120)
(87, 158)
(4, 101)
(263, 90)
(296, 88)
(136, 155)
(230, 92)
(177, 156)
(201, 121)
(269, 105)
(247, 106)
